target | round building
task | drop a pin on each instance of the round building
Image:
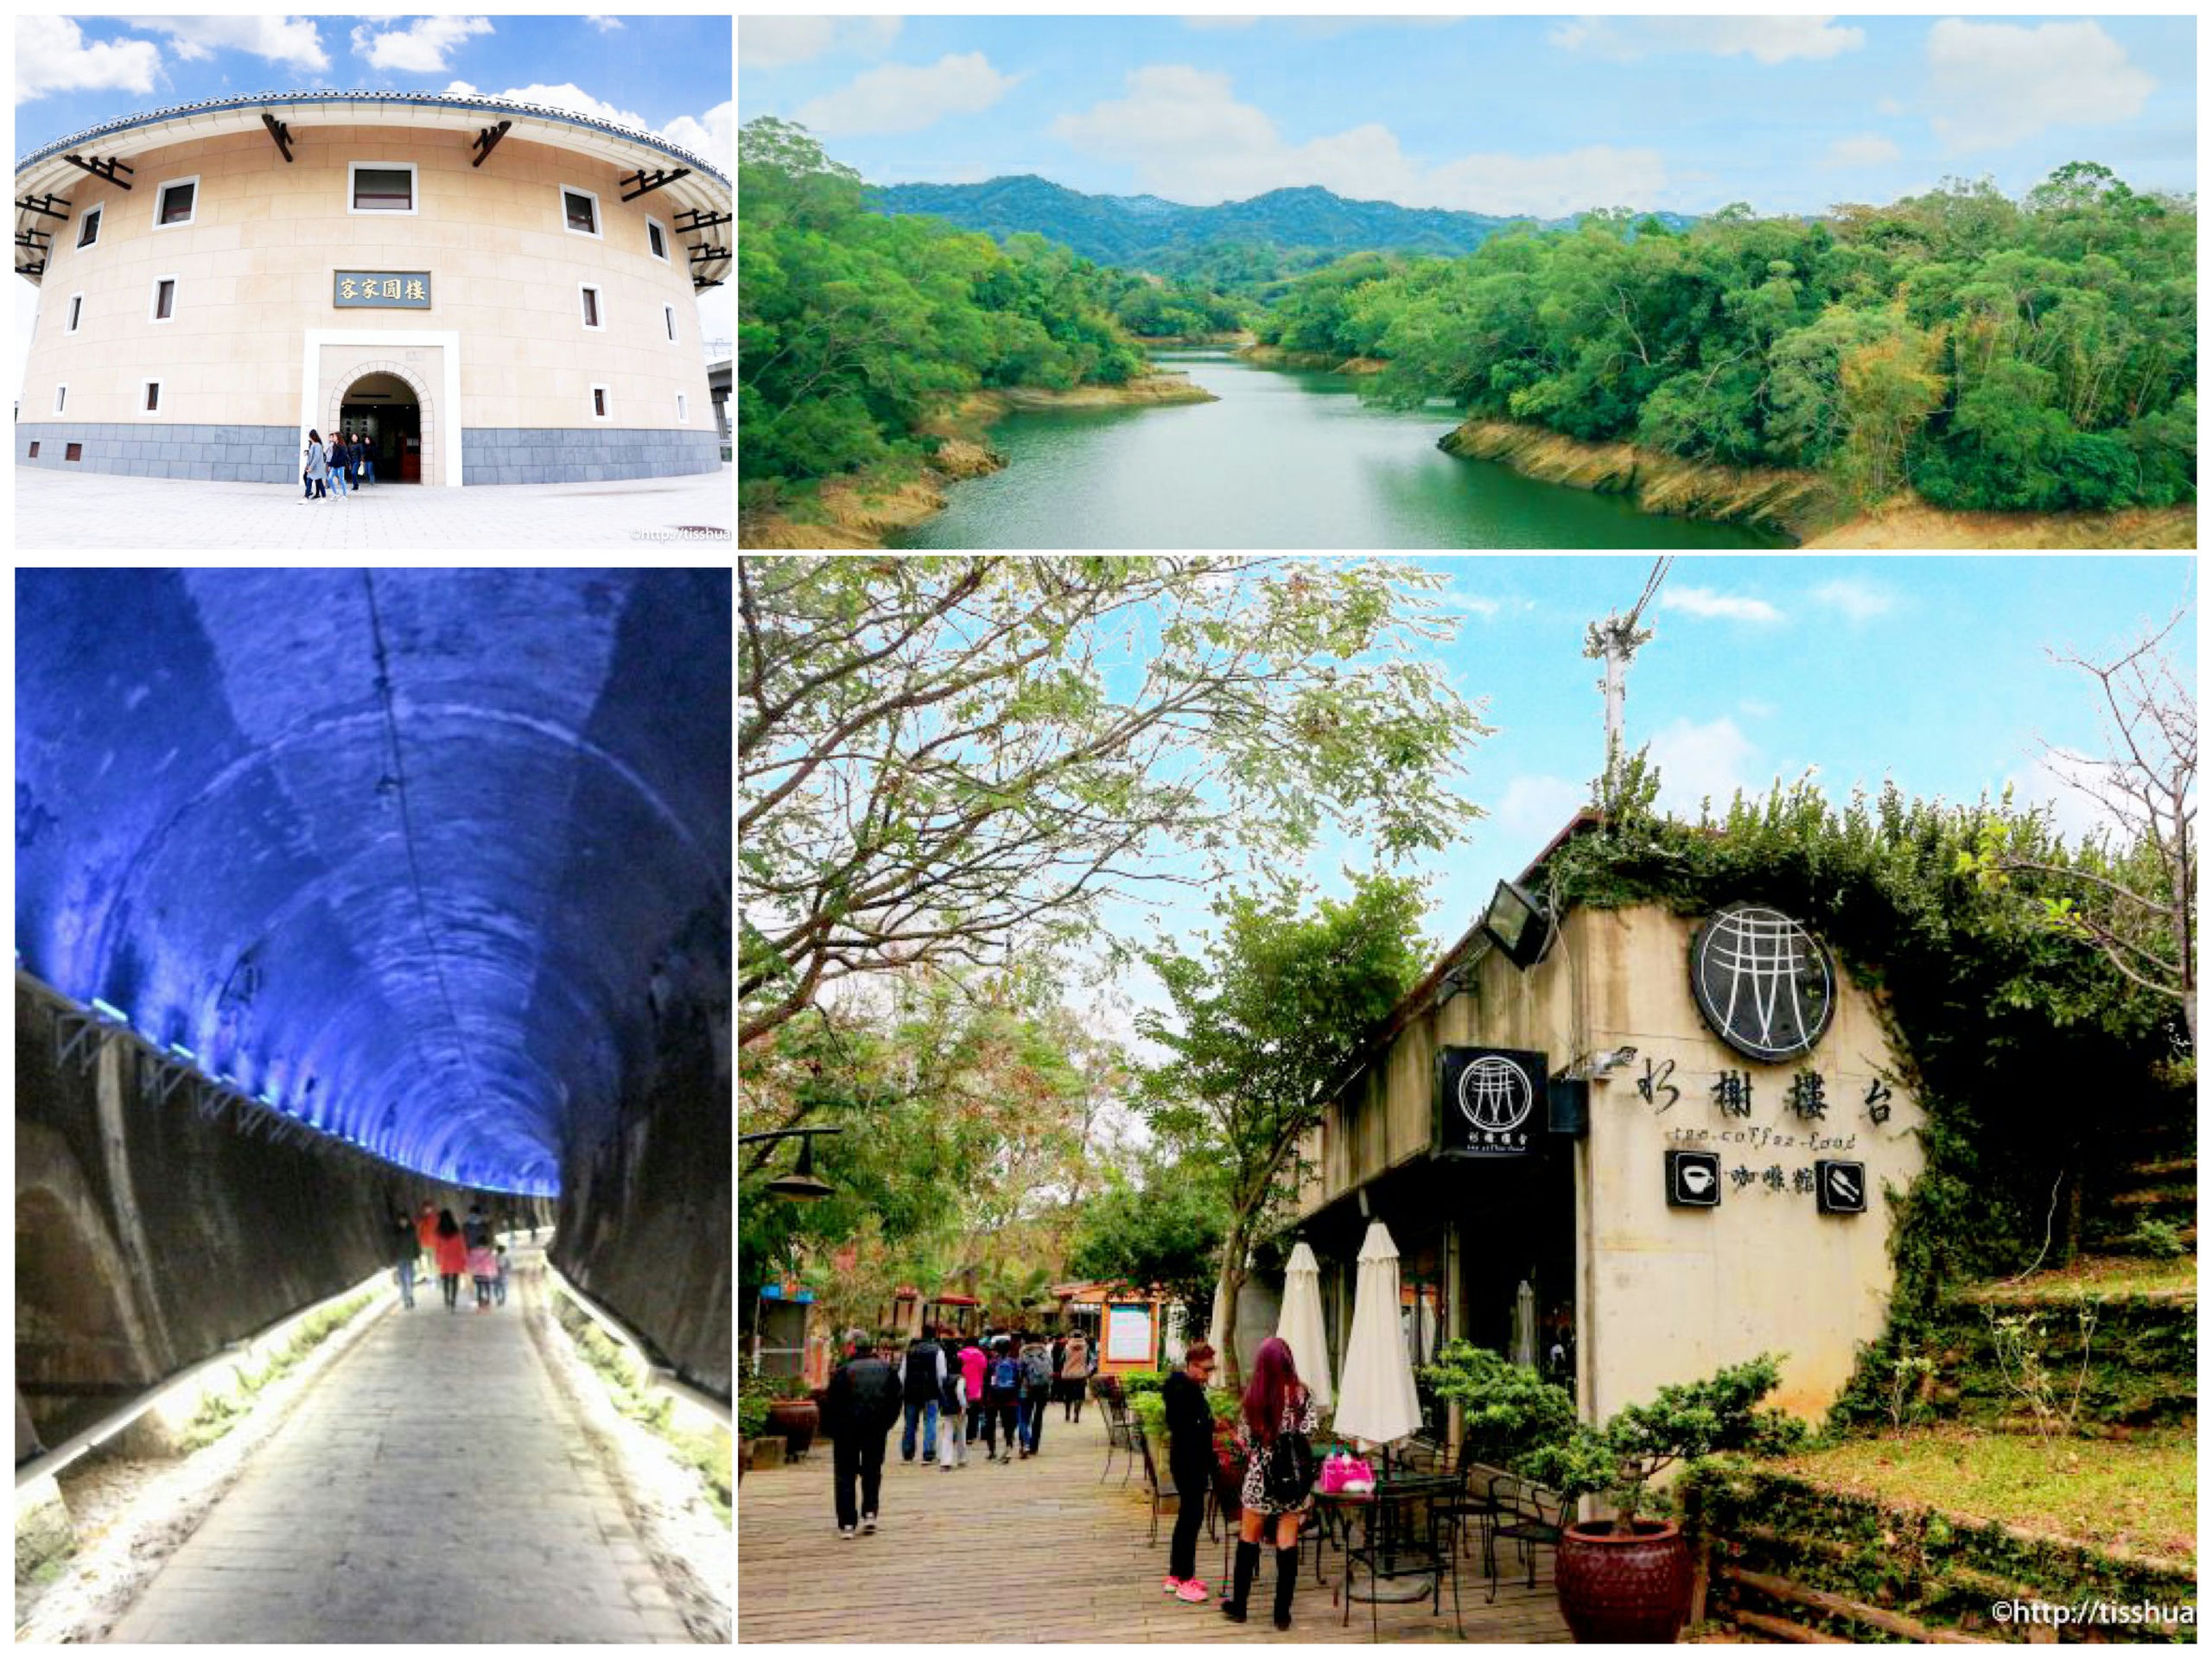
(492, 292)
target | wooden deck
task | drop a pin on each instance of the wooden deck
(1039, 1551)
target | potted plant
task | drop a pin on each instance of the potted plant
(1506, 1411)
(751, 1422)
(1628, 1579)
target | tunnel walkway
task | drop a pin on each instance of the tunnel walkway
(434, 1487)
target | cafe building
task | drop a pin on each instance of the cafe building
(492, 292)
(1684, 1135)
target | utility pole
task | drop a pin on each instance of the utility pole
(1614, 641)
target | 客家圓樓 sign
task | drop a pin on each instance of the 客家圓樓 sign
(409, 290)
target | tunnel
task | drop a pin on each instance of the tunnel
(338, 892)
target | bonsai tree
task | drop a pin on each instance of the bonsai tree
(1508, 1411)
(1685, 1421)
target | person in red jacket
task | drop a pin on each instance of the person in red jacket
(426, 1229)
(453, 1257)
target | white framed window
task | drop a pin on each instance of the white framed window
(176, 203)
(74, 315)
(163, 306)
(683, 411)
(150, 404)
(60, 396)
(88, 228)
(656, 239)
(667, 317)
(595, 318)
(382, 188)
(580, 212)
(599, 405)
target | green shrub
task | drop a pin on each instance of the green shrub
(1506, 1410)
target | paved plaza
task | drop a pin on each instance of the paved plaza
(61, 512)
(1039, 1551)
(433, 1488)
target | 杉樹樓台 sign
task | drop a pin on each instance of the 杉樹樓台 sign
(408, 289)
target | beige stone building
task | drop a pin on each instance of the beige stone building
(1676, 1201)
(493, 292)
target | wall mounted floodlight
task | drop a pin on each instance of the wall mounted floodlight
(1516, 923)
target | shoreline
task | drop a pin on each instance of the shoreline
(858, 511)
(1274, 357)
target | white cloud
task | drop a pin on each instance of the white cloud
(291, 41)
(907, 96)
(1456, 598)
(461, 89)
(714, 136)
(1769, 39)
(1756, 708)
(1189, 139)
(1696, 762)
(1859, 601)
(1534, 808)
(1866, 149)
(1704, 602)
(422, 48)
(569, 96)
(52, 56)
(1888, 106)
(2000, 83)
(1219, 22)
(2067, 782)
(771, 42)
(602, 24)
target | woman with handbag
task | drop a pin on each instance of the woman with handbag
(1279, 1414)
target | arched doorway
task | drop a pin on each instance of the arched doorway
(389, 410)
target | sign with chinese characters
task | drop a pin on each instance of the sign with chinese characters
(409, 290)
(1693, 1180)
(1487, 1101)
(1762, 982)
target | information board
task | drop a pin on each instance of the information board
(1128, 1332)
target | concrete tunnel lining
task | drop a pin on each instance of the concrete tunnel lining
(438, 860)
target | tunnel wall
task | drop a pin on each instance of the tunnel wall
(147, 1237)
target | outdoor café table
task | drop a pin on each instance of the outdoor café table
(1337, 1509)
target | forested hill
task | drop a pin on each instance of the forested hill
(1148, 232)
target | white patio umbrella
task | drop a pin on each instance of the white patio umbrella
(1300, 1324)
(1377, 1402)
(1525, 1326)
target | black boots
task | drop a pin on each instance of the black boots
(1286, 1583)
(1247, 1569)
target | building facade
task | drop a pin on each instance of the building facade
(492, 292)
(1674, 1202)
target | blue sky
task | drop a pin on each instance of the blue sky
(1929, 672)
(1536, 115)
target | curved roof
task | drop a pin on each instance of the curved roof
(706, 187)
(432, 860)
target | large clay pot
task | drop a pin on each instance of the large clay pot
(1626, 1586)
(796, 1421)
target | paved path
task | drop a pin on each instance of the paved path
(1039, 1551)
(56, 512)
(432, 1488)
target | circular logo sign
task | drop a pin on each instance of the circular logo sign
(1494, 1093)
(1762, 982)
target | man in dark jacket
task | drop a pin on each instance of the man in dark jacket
(1191, 1463)
(404, 1249)
(863, 1404)
(922, 1383)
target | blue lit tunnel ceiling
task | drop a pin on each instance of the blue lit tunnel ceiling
(419, 855)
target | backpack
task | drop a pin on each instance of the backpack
(1037, 1370)
(1004, 1375)
(1290, 1469)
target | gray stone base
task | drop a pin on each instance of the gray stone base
(250, 455)
(570, 455)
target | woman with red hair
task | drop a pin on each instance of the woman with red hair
(1275, 1403)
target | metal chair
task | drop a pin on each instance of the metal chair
(1532, 1522)
(1121, 1431)
(1161, 1489)
(1406, 1535)
(1468, 1504)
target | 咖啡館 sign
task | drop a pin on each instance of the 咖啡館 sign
(410, 291)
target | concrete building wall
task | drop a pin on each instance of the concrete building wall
(1667, 1294)
(254, 273)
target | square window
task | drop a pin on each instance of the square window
(164, 299)
(591, 307)
(89, 231)
(177, 202)
(580, 210)
(380, 188)
(75, 452)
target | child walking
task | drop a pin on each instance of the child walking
(499, 1281)
(952, 1409)
(483, 1268)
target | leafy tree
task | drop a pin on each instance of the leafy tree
(939, 756)
(1266, 1022)
(1165, 1230)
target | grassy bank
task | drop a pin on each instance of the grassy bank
(1274, 357)
(1907, 521)
(860, 510)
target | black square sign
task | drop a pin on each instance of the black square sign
(1839, 1188)
(1693, 1180)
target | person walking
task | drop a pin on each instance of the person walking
(404, 1249)
(1036, 1391)
(861, 1404)
(1074, 1370)
(1276, 1404)
(318, 466)
(483, 1268)
(924, 1388)
(453, 1258)
(369, 476)
(952, 1438)
(1002, 1400)
(426, 1234)
(974, 1364)
(500, 1279)
(337, 458)
(1190, 1462)
(476, 1230)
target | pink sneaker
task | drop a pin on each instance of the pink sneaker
(1168, 1586)
(1193, 1590)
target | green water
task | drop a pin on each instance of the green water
(1287, 459)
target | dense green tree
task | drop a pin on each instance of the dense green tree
(1165, 1229)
